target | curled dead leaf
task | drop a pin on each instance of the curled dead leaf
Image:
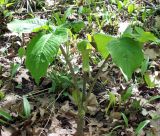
(92, 104)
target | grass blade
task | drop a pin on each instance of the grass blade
(5, 115)
(26, 107)
(141, 126)
(154, 98)
(125, 119)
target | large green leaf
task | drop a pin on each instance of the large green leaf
(41, 50)
(25, 26)
(127, 54)
(102, 41)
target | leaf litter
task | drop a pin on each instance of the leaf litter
(54, 114)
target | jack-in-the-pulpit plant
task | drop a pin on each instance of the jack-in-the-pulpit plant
(126, 52)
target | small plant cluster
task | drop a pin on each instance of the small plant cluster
(126, 52)
(5, 15)
(54, 38)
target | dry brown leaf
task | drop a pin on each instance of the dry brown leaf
(34, 117)
(92, 104)
(22, 73)
(115, 115)
(152, 53)
(156, 123)
(7, 131)
(65, 107)
(42, 111)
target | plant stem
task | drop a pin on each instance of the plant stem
(96, 77)
(84, 86)
(70, 67)
(80, 122)
(81, 111)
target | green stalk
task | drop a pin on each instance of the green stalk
(70, 67)
(80, 122)
(81, 111)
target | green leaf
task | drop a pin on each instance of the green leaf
(84, 47)
(84, 10)
(3, 122)
(136, 105)
(112, 101)
(9, 4)
(25, 26)
(67, 13)
(111, 133)
(113, 1)
(85, 60)
(5, 115)
(139, 30)
(154, 98)
(127, 54)
(14, 68)
(102, 42)
(141, 126)
(77, 26)
(2, 94)
(66, 82)
(57, 18)
(125, 2)
(125, 119)
(21, 52)
(112, 98)
(120, 5)
(41, 51)
(130, 8)
(76, 97)
(26, 107)
(148, 81)
(127, 94)
(143, 36)
(144, 65)
(2, 2)
(128, 32)
(139, 35)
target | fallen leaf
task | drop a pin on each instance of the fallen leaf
(152, 53)
(92, 104)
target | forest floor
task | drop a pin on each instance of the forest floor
(54, 113)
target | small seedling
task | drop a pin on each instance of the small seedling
(112, 101)
(26, 107)
(6, 116)
(14, 69)
(125, 119)
(141, 126)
